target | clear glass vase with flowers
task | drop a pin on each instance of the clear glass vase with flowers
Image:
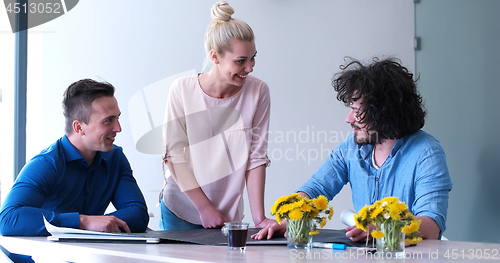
(303, 216)
(394, 224)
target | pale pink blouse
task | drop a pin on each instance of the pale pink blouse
(212, 143)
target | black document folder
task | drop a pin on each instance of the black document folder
(215, 237)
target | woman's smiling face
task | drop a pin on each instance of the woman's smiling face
(235, 65)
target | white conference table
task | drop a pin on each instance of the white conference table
(43, 250)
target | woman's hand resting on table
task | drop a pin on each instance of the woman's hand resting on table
(272, 228)
(264, 223)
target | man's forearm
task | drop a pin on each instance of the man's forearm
(428, 228)
(29, 221)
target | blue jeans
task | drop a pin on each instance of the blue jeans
(169, 221)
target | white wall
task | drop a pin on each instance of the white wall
(458, 67)
(133, 44)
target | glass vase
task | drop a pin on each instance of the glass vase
(297, 233)
(392, 245)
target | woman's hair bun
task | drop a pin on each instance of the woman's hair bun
(222, 11)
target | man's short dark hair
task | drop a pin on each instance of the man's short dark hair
(78, 98)
(391, 104)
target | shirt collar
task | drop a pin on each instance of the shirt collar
(69, 150)
(365, 150)
(72, 153)
(398, 145)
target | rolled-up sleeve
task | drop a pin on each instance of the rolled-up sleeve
(432, 187)
(174, 129)
(260, 128)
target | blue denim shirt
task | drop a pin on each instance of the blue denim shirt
(415, 172)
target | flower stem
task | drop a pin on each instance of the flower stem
(298, 231)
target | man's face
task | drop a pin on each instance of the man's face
(362, 136)
(103, 126)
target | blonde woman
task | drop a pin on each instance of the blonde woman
(216, 134)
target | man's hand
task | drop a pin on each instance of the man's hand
(108, 224)
(270, 230)
(356, 234)
(211, 217)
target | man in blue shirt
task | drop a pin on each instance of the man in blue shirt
(388, 154)
(72, 182)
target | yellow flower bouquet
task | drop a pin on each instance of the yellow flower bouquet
(392, 219)
(303, 216)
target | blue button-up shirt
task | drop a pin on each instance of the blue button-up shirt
(415, 172)
(58, 184)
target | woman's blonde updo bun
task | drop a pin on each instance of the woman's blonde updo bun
(223, 28)
(222, 11)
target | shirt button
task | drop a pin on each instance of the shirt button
(376, 178)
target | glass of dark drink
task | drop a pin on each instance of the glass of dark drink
(236, 233)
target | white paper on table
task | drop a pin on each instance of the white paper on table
(66, 233)
(54, 230)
